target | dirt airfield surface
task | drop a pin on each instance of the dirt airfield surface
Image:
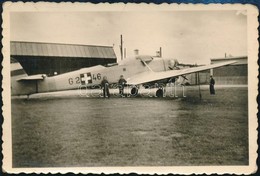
(141, 131)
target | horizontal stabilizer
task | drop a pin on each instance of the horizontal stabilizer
(32, 78)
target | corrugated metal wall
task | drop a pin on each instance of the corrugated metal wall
(231, 80)
(47, 58)
(236, 74)
(61, 50)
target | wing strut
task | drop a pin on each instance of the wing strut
(199, 84)
(146, 65)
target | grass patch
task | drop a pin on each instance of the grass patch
(132, 131)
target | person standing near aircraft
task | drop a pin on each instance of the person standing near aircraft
(105, 87)
(211, 85)
(121, 85)
(137, 70)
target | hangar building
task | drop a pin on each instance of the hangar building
(196, 78)
(48, 58)
(235, 74)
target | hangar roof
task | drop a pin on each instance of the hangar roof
(61, 50)
(242, 60)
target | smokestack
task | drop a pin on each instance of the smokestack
(158, 54)
(136, 51)
(160, 51)
(121, 46)
(124, 52)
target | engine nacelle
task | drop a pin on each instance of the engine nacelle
(173, 64)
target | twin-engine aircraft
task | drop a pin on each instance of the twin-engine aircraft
(139, 70)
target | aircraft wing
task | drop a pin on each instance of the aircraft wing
(151, 76)
(32, 78)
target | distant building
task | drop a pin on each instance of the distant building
(53, 58)
(235, 74)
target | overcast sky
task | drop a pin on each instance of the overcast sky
(189, 36)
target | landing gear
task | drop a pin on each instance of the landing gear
(198, 80)
(134, 91)
(159, 93)
(183, 90)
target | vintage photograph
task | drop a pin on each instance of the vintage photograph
(128, 86)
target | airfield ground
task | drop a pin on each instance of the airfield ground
(80, 131)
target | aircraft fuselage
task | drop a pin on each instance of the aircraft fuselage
(88, 77)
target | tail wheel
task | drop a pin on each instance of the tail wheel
(159, 93)
(134, 91)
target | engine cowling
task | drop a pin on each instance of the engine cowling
(173, 64)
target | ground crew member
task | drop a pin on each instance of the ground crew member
(121, 85)
(105, 87)
(211, 85)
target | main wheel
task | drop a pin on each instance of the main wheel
(134, 91)
(159, 93)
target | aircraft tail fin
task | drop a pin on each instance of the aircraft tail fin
(17, 70)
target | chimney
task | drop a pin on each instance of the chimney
(136, 51)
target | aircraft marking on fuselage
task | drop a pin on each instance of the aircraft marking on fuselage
(86, 78)
(76, 80)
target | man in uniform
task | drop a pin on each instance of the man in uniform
(105, 87)
(211, 85)
(121, 85)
